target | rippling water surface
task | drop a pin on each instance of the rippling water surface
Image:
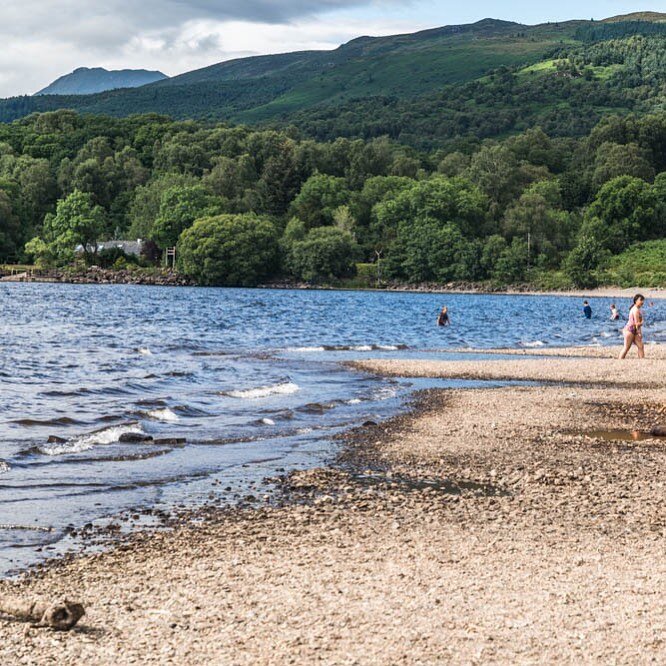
(250, 379)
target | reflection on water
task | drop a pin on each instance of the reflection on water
(113, 397)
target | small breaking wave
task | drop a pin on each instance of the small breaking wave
(144, 351)
(164, 414)
(341, 348)
(4, 467)
(385, 393)
(532, 343)
(283, 388)
(88, 441)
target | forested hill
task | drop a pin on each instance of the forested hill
(427, 89)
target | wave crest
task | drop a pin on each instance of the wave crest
(85, 442)
(283, 388)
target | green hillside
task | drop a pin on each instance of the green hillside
(267, 86)
(487, 79)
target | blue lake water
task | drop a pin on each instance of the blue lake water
(250, 378)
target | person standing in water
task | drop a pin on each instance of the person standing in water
(633, 331)
(587, 310)
(615, 313)
(443, 319)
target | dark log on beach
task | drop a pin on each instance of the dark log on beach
(658, 431)
(62, 615)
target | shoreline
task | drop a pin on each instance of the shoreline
(168, 279)
(434, 536)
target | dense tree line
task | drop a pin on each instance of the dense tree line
(245, 205)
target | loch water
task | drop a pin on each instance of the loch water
(251, 380)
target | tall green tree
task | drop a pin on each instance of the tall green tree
(78, 221)
(10, 229)
(180, 206)
(318, 199)
(624, 211)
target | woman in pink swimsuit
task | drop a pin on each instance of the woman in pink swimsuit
(633, 331)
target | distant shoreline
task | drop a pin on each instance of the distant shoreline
(598, 292)
(105, 276)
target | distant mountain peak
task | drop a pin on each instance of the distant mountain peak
(91, 80)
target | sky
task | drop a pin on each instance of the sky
(44, 39)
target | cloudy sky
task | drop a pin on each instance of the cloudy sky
(43, 39)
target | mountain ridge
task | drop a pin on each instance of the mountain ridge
(92, 80)
(656, 17)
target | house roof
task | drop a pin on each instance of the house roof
(131, 247)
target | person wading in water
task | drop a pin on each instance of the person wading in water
(633, 331)
(443, 319)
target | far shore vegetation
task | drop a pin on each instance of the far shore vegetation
(245, 206)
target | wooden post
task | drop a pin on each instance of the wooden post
(171, 254)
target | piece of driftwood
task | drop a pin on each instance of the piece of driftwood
(61, 615)
(659, 431)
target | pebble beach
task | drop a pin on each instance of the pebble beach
(519, 524)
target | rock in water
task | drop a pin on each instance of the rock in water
(134, 438)
(658, 431)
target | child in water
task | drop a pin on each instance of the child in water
(587, 310)
(615, 313)
(633, 331)
(443, 319)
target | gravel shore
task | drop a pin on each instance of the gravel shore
(648, 373)
(486, 526)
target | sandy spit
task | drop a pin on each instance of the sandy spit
(649, 373)
(486, 526)
(652, 351)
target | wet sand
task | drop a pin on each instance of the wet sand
(486, 526)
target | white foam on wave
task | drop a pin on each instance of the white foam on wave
(344, 348)
(88, 441)
(385, 393)
(532, 343)
(354, 401)
(284, 388)
(163, 415)
(4, 467)
(268, 422)
(144, 351)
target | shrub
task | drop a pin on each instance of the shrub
(229, 250)
(325, 253)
